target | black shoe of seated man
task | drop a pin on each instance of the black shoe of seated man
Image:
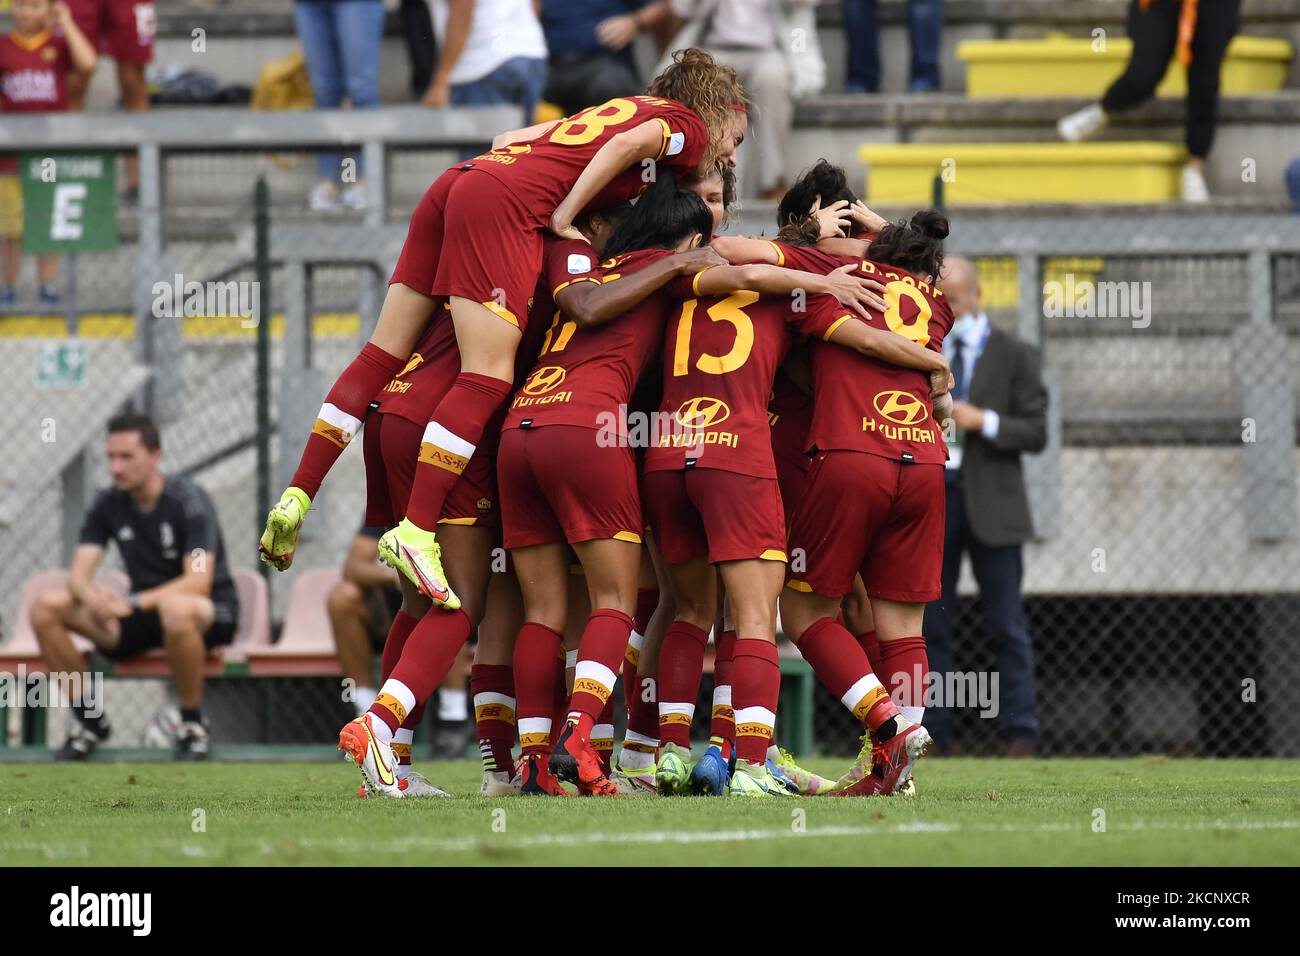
(82, 741)
(192, 741)
(451, 739)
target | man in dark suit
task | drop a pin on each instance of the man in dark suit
(1000, 413)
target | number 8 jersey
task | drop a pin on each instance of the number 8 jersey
(541, 172)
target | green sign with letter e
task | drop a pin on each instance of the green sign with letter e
(69, 202)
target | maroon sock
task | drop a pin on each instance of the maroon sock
(871, 647)
(431, 651)
(342, 414)
(841, 665)
(604, 642)
(681, 664)
(535, 652)
(903, 668)
(722, 726)
(602, 737)
(457, 422)
(493, 689)
(398, 634)
(755, 688)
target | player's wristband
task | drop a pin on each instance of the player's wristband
(133, 599)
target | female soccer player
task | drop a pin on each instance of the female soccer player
(476, 238)
(874, 505)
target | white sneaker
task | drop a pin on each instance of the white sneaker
(373, 757)
(323, 198)
(1194, 188)
(500, 783)
(354, 197)
(1082, 124)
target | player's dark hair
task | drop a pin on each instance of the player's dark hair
(143, 425)
(613, 215)
(824, 179)
(916, 246)
(663, 216)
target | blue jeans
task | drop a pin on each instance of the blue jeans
(1293, 184)
(341, 42)
(516, 81)
(997, 572)
(924, 25)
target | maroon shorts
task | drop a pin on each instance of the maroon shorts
(471, 237)
(391, 445)
(723, 515)
(124, 29)
(558, 485)
(874, 516)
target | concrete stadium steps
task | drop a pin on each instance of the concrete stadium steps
(265, 30)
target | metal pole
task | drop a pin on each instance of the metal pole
(262, 226)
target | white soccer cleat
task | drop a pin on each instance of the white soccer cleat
(416, 785)
(635, 783)
(1082, 124)
(373, 757)
(501, 783)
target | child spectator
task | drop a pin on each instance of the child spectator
(36, 59)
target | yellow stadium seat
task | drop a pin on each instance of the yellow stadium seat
(1058, 65)
(977, 173)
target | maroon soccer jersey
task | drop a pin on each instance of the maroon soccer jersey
(861, 404)
(720, 356)
(542, 171)
(34, 73)
(585, 377)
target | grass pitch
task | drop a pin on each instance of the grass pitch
(968, 811)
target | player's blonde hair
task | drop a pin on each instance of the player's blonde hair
(711, 89)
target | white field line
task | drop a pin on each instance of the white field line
(195, 848)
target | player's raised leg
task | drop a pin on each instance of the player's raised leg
(404, 315)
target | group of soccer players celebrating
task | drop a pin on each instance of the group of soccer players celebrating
(671, 433)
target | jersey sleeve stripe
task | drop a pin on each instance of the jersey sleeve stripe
(667, 134)
(835, 325)
(564, 285)
(780, 256)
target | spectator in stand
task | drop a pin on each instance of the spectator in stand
(361, 609)
(125, 30)
(341, 40)
(590, 42)
(746, 35)
(493, 53)
(1000, 414)
(862, 29)
(37, 60)
(421, 45)
(182, 599)
(1199, 34)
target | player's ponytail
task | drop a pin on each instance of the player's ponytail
(663, 216)
(795, 224)
(712, 90)
(916, 246)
